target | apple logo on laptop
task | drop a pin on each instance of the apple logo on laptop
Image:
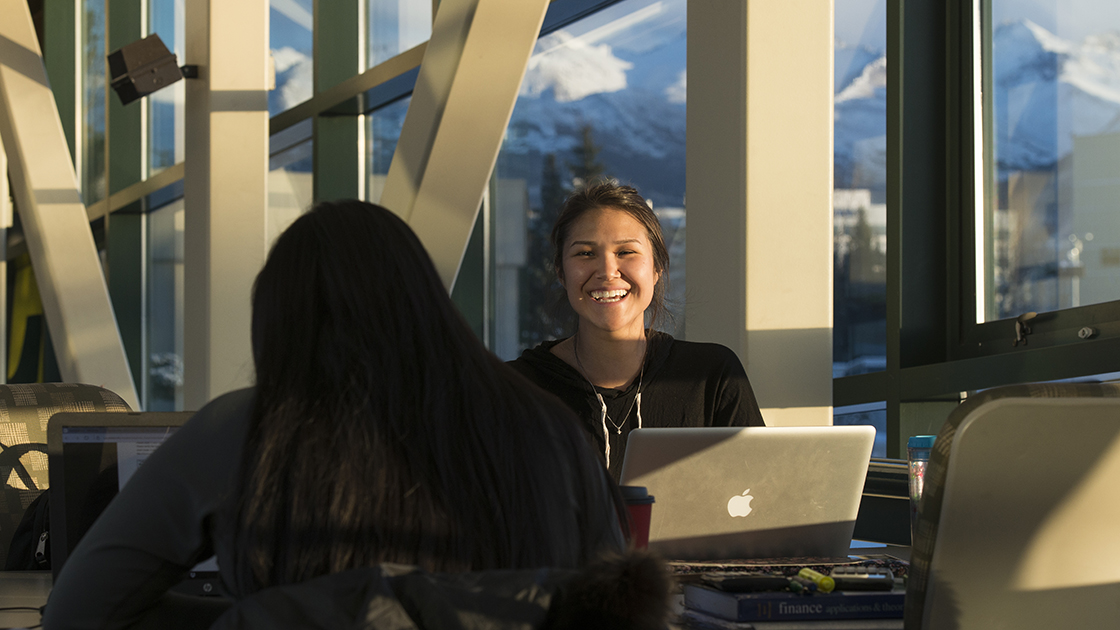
(740, 505)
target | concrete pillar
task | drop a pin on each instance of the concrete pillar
(225, 190)
(759, 186)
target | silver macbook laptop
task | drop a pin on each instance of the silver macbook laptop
(91, 455)
(750, 492)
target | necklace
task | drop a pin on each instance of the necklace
(604, 418)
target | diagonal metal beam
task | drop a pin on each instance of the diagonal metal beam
(464, 96)
(75, 298)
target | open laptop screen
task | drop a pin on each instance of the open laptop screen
(98, 461)
(91, 457)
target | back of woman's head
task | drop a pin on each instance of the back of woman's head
(383, 431)
(348, 295)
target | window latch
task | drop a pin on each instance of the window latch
(1022, 327)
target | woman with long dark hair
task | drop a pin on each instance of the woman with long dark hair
(379, 430)
(617, 371)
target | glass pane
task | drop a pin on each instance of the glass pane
(291, 29)
(859, 335)
(383, 129)
(166, 107)
(290, 178)
(163, 376)
(93, 86)
(397, 25)
(874, 414)
(602, 96)
(1051, 226)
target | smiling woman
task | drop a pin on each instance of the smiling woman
(610, 256)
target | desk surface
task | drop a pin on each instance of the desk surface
(31, 588)
(23, 588)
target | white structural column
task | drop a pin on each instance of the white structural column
(225, 191)
(83, 328)
(759, 180)
(464, 96)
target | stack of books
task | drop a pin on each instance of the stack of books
(774, 601)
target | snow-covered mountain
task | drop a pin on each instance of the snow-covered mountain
(1047, 90)
(860, 118)
(632, 100)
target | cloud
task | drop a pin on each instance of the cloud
(573, 69)
(676, 93)
(287, 57)
(873, 78)
(294, 78)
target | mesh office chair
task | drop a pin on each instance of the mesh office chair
(24, 411)
(1017, 524)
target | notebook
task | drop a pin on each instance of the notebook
(726, 493)
(91, 456)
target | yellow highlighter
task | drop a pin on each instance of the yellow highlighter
(824, 583)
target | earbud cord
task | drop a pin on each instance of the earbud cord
(603, 404)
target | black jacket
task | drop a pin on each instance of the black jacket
(685, 384)
(628, 592)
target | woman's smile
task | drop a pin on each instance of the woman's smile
(609, 297)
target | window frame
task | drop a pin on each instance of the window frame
(1049, 329)
(935, 350)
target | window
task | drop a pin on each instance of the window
(383, 129)
(874, 414)
(92, 79)
(395, 26)
(1048, 237)
(291, 28)
(166, 107)
(290, 179)
(859, 199)
(163, 374)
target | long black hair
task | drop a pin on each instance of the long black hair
(383, 431)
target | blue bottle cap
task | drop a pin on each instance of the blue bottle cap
(921, 441)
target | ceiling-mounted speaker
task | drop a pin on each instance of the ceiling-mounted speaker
(141, 68)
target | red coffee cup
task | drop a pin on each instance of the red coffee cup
(639, 503)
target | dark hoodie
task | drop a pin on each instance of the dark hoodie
(685, 384)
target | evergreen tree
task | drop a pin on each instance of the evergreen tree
(544, 314)
(867, 264)
(587, 166)
(553, 191)
(859, 290)
(539, 288)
